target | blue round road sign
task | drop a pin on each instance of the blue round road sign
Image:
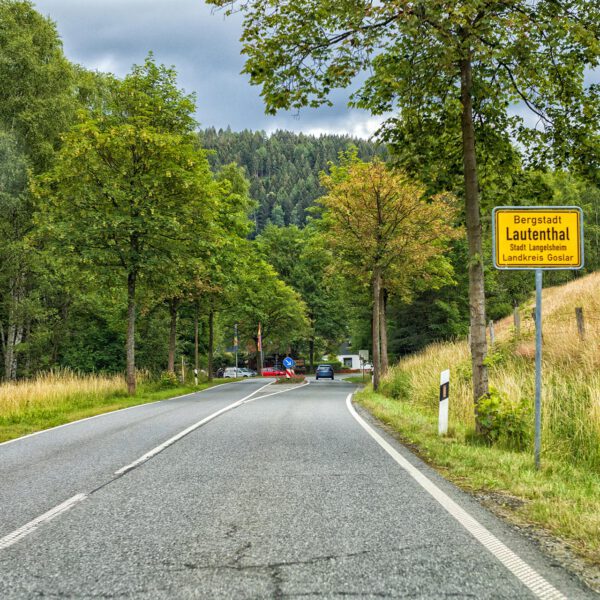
(288, 362)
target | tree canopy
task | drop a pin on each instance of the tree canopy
(386, 233)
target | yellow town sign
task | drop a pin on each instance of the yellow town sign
(537, 237)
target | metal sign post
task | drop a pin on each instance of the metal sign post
(289, 363)
(538, 238)
(364, 359)
(538, 367)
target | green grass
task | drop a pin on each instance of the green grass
(75, 405)
(563, 498)
(358, 379)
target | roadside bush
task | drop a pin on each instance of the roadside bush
(397, 385)
(463, 372)
(167, 380)
(334, 362)
(498, 356)
(505, 422)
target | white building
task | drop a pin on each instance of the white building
(349, 359)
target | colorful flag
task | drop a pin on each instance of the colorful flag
(259, 343)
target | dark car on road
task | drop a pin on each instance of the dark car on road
(324, 371)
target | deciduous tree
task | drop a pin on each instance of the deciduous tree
(131, 193)
(385, 232)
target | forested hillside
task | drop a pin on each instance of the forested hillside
(283, 168)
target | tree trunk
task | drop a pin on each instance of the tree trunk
(13, 340)
(26, 370)
(376, 290)
(383, 330)
(173, 306)
(211, 341)
(14, 332)
(196, 336)
(60, 330)
(131, 281)
(3, 339)
(473, 220)
(258, 365)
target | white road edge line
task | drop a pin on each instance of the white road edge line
(112, 412)
(517, 566)
(275, 393)
(18, 534)
(185, 432)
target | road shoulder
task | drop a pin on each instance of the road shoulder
(493, 510)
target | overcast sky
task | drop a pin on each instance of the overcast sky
(112, 35)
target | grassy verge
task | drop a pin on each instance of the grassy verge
(562, 498)
(358, 379)
(56, 399)
(294, 379)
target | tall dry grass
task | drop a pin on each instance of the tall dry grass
(570, 369)
(52, 390)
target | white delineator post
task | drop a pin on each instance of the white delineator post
(444, 399)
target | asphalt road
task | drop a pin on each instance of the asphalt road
(285, 495)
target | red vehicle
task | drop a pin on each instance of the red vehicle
(272, 372)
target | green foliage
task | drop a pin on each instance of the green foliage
(453, 71)
(397, 386)
(167, 380)
(260, 296)
(496, 357)
(463, 372)
(535, 54)
(129, 187)
(36, 100)
(128, 145)
(36, 106)
(505, 422)
(332, 360)
(302, 260)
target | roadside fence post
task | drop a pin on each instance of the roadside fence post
(580, 322)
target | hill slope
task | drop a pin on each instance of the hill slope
(283, 168)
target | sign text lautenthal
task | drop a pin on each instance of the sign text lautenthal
(537, 237)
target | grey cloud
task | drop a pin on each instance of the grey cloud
(205, 49)
(203, 46)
